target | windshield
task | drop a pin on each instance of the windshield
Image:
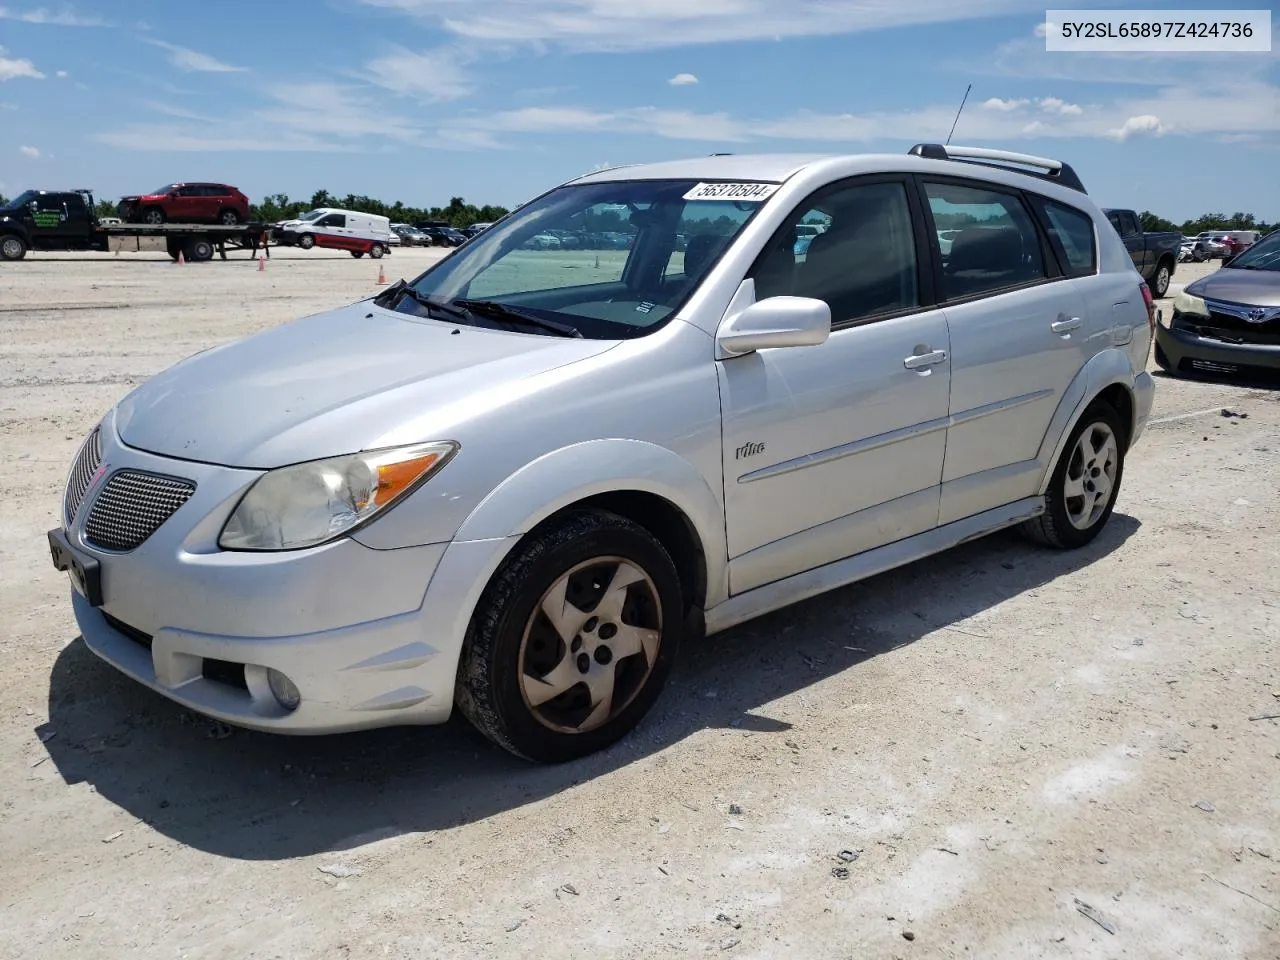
(22, 199)
(613, 260)
(167, 188)
(1263, 255)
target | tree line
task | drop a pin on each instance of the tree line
(1208, 221)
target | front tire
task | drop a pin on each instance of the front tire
(306, 241)
(12, 247)
(153, 216)
(573, 639)
(1082, 492)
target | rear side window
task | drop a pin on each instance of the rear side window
(991, 243)
(1072, 231)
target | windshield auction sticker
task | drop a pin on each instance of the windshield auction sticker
(1157, 31)
(732, 191)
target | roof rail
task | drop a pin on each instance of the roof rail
(1055, 171)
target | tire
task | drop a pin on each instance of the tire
(376, 251)
(199, 250)
(153, 215)
(510, 631)
(357, 254)
(1070, 522)
(1159, 283)
(12, 247)
(228, 217)
(306, 241)
(173, 247)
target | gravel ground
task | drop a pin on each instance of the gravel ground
(1001, 752)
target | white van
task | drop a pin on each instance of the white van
(341, 229)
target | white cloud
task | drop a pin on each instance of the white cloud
(1054, 105)
(61, 74)
(434, 75)
(30, 152)
(683, 80)
(1042, 29)
(11, 68)
(1004, 106)
(1145, 124)
(193, 61)
(641, 24)
(64, 17)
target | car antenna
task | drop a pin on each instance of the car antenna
(958, 112)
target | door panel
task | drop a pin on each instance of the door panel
(816, 434)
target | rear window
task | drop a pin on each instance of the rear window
(1072, 232)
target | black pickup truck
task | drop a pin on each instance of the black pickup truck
(1154, 254)
(65, 220)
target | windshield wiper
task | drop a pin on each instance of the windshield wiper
(500, 311)
(400, 289)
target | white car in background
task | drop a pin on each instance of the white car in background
(337, 229)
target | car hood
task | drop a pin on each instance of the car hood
(335, 383)
(1259, 288)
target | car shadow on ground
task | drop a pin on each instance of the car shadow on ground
(257, 796)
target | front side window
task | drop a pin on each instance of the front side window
(332, 220)
(852, 246)
(1073, 230)
(608, 259)
(996, 246)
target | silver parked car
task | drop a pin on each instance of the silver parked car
(520, 481)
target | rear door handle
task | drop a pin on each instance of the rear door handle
(1066, 326)
(920, 360)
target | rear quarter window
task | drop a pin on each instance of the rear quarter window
(1072, 233)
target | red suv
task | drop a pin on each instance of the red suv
(187, 203)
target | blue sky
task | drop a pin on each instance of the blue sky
(496, 100)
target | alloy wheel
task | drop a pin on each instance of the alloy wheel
(1091, 475)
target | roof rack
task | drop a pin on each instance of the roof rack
(1055, 171)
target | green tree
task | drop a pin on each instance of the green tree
(1153, 224)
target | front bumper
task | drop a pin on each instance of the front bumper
(1183, 351)
(355, 629)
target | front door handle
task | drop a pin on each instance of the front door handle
(920, 360)
(1066, 326)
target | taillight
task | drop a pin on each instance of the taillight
(1151, 306)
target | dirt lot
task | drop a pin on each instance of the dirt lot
(995, 735)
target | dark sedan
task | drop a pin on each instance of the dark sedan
(1228, 323)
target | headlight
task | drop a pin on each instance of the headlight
(311, 503)
(1186, 303)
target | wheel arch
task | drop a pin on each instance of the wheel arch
(1108, 376)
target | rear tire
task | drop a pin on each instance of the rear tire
(1159, 283)
(228, 217)
(553, 691)
(12, 247)
(199, 250)
(1085, 483)
(357, 254)
(377, 251)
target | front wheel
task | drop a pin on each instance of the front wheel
(306, 241)
(12, 247)
(573, 639)
(1085, 483)
(153, 216)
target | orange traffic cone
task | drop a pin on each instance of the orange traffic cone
(262, 263)
(181, 259)
(382, 275)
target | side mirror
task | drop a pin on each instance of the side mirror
(776, 322)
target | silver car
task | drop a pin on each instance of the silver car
(520, 481)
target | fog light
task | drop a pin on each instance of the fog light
(283, 690)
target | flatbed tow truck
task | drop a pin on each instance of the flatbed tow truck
(65, 220)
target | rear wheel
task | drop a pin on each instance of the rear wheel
(306, 241)
(199, 250)
(153, 216)
(1160, 282)
(357, 254)
(12, 247)
(573, 639)
(376, 251)
(228, 217)
(1082, 491)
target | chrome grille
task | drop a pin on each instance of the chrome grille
(82, 471)
(132, 506)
